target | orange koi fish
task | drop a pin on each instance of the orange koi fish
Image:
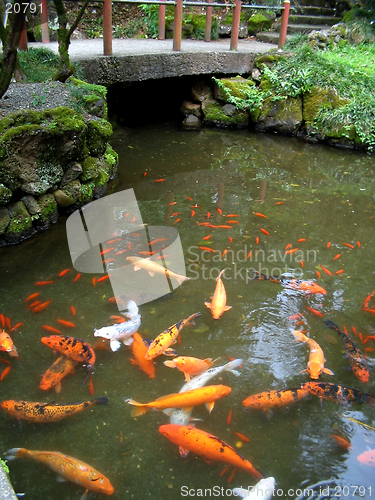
(71, 347)
(202, 395)
(56, 372)
(190, 366)
(264, 231)
(32, 296)
(315, 366)
(153, 267)
(41, 307)
(139, 350)
(47, 412)
(275, 398)
(304, 286)
(6, 344)
(208, 446)
(218, 303)
(168, 337)
(68, 468)
(354, 355)
(338, 393)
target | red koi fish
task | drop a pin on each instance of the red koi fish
(32, 296)
(68, 468)
(210, 447)
(41, 307)
(354, 354)
(68, 324)
(78, 350)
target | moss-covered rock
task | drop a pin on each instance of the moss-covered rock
(4, 221)
(98, 134)
(20, 225)
(48, 211)
(111, 161)
(284, 116)
(269, 58)
(260, 21)
(5, 195)
(214, 116)
(237, 87)
(90, 168)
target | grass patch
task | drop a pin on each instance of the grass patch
(38, 65)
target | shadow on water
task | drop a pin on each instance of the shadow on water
(310, 193)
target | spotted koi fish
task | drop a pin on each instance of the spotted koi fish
(68, 468)
(56, 372)
(168, 337)
(308, 287)
(338, 393)
(353, 353)
(47, 412)
(275, 399)
(78, 350)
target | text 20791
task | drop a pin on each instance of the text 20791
(17, 7)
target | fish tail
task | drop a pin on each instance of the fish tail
(100, 401)
(15, 453)
(250, 468)
(139, 409)
(180, 279)
(190, 320)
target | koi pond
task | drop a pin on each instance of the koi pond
(213, 186)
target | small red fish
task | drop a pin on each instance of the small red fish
(16, 327)
(41, 283)
(232, 215)
(327, 271)
(192, 213)
(291, 251)
(41, 307)
(242, 437)
(207, 249)
(220, 211)
(301, 240)
(336, 256)
(314, 311)
(72, 308)
(224, 252)
(289, 245)
(260, 215)
(358, 244)
(34, 304)
(106, 250)
(63, 273)
(171, 203)
(206, 237)
(159, 180)
(280, 202)
(32, 296)
(229, 417)
(188, 198)
(51, 329)
(342, 442)
(68, 324)
(347, 245)
(103, 278)
(77, 277)
(256, 240)
(208, 215)
(340, 271)
(177, 220)
(318, 274)
(232, 222)
(94, 281)
(328, 244)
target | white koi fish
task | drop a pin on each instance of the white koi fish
(263, 490)
(122, 331)
(181, 416)
(153, 267)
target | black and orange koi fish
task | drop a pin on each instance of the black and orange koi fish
(338, 393)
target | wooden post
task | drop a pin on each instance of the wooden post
(44, 20)
(207, 34)
(284, 24)
(177, 30)
(23, 40)
(161, 22)
(107, 27)
(235, 25)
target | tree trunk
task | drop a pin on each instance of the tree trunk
(65, 69)
(10, 38)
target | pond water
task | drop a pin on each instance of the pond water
(307, 192)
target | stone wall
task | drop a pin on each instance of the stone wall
(53, 161)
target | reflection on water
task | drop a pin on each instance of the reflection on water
(308, 193)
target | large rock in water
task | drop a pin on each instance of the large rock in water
(283, 116)
(52, 160)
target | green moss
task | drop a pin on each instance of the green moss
(318, 98)
(213, 113)
(237, 87)
(102, 178)
(98, 134)
(86, 90)
(110, 155)
(47, 205)
(268, 59)
(20, 219)
(259, 22)
(19, 131)
(91, 167)
(5, 195)
(87, 189)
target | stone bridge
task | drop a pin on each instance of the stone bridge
(145, 59)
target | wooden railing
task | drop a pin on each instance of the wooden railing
(177, 23)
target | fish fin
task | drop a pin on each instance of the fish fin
(208, 304)
(226, 308)
(304, 371)
(136, 268)
(209, 462)
(133, 361)
(187, 377)
(84, 495)
(115, 345)
(180, 279)
(235, 372)
(168, 411)
(60, 479)
(147, 342)
(128, 341)
(328, 372)
(12, 453)
(183, 451)
(267, 414)
(151, 273)
(210, 406)
(138, 410)
(170, 352)
(58, 388)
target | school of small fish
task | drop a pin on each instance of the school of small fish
(182, 429)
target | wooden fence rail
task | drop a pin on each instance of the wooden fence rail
(177, 22)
